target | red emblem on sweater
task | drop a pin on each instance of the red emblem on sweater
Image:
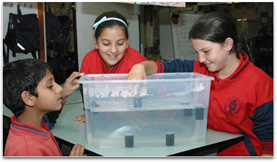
(232, 106)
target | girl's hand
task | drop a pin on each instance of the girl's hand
(71, 84)
(81, 118)
(141, 70)
(137, 73)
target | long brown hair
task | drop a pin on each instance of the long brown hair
(216, 27)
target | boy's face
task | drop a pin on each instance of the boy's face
(112, 44)
(49, 94)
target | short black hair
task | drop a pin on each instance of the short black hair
(19, 76)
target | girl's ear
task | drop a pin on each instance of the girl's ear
(228, 44)
(95, 42)
(27, 98)
(127, 42)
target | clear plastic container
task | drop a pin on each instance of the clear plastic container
(167, 109)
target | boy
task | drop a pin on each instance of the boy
(30, 91)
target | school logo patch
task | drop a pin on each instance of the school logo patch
(232, 107)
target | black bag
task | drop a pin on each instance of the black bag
(23, 32)
(56, 30)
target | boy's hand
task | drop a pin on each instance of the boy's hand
(77, 150)
(71, 84)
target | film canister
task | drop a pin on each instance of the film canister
(129, 140)
(199, 113)
(169, 139)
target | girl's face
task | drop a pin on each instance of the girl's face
(49, 94)
(112, 44)
(215, 56)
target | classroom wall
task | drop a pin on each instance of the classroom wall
(174, 42)
(179, 45)
(11, 7)
(86, 13)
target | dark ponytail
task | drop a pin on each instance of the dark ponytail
(242, 45)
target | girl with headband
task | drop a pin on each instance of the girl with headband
(112, 53)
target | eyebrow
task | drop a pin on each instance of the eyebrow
(117, 40)
(205, 48)
(49, 80)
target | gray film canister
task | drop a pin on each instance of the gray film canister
(169, 139)
(187, 112)
(199, 113)
(129, 140)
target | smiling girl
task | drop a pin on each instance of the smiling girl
(112, 53)
(241, 96)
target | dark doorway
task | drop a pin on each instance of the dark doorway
(61, 39)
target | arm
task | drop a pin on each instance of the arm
(263, 127)
(142, 70)
(146, 68)
(263, 115)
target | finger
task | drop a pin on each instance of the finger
(144, 88)
(75, 86)
(79, 150)
(75, 81)
(137, 89)
(76, 75)
(82, 150)
(81, 120)
(73, 151)
(76, 118)
(130, 86)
